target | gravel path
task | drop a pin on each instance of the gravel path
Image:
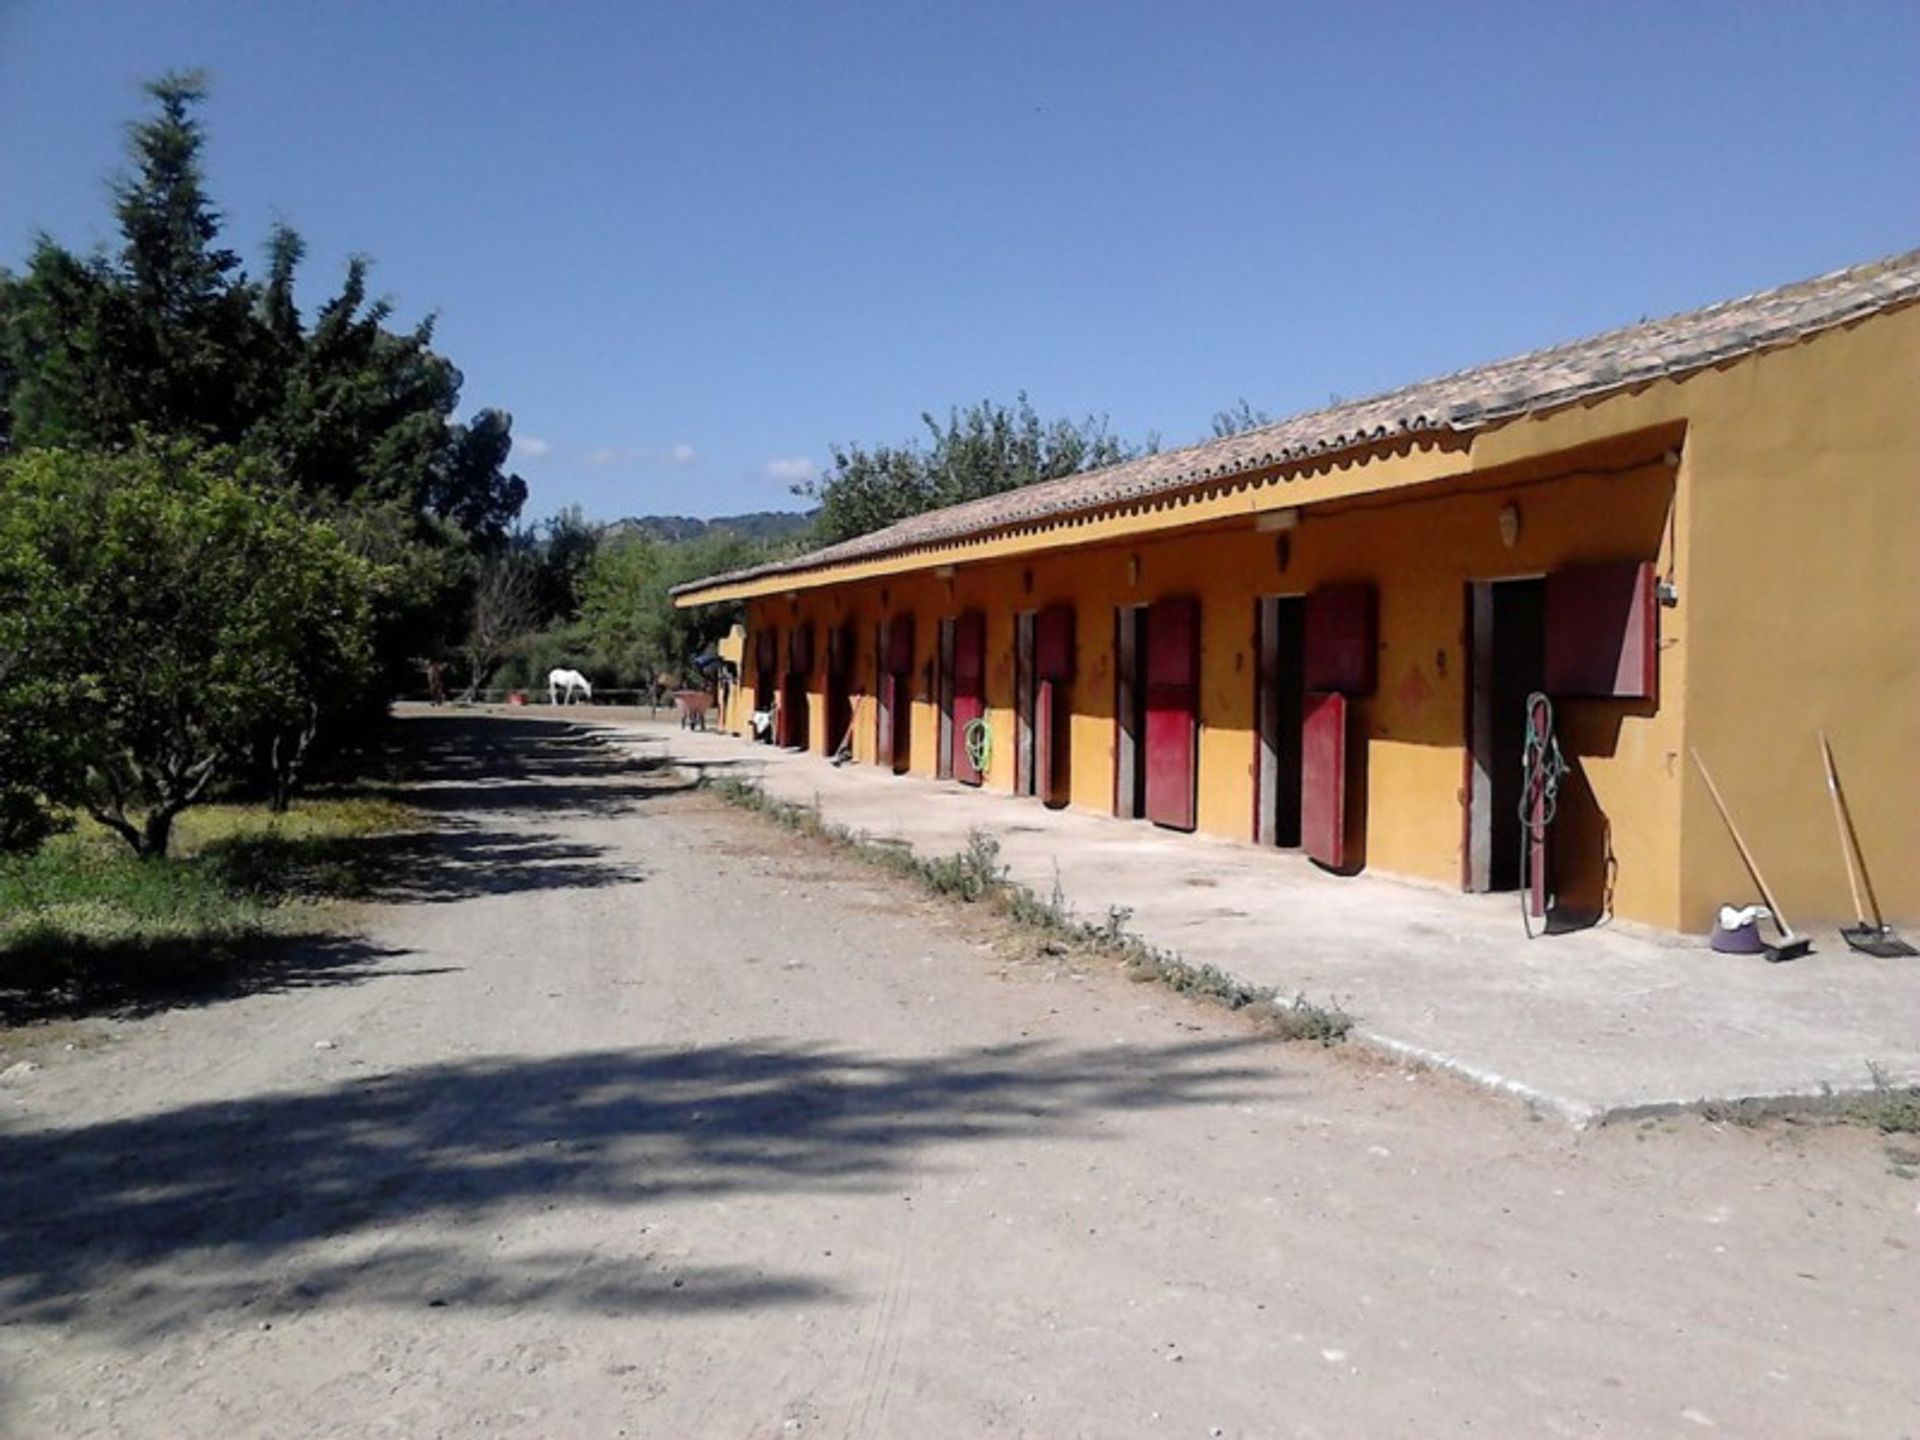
(632, 1116)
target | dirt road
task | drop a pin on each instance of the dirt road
(631, 1118)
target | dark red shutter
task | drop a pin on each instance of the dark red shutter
(969, 689)
(800, 650)
(1173, 711)
(1323, 778)
(1053, 643)
(1602, 624)
(1339, 649)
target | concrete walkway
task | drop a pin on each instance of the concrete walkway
(1598, 1025)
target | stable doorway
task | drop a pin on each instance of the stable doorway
(893, 712)
(1280, 693)
(943, 700)
(839, 699)
(1043, 707)
(1507, 626)
(969, 705)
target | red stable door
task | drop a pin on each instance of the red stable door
(969, 690)
(1323, 778)
(1173, 711)
(1340, 662)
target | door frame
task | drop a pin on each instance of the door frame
(943, 692)
(1477, 779)
(1276, 618)
(1025, 767)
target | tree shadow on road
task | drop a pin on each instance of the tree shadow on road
(261, 939)
(460, 860)
(493, 765)
(78, 977)
(140, 1225)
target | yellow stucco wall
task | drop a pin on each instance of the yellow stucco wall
(1419, 554)
(1788, 526)
(1802, 555)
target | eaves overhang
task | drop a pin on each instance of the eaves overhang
(1260, 468)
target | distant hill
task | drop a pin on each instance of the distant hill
(760, 525)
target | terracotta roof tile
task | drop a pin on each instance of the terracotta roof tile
(1470, 399)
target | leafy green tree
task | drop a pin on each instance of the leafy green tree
(35, 748)
(162, 618)
(619, 605)
(350, 416)
(170, 336)
(685, 634)
(980, 450)
(159, 336)
(563, 548)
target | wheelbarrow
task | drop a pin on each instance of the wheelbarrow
(693, 706)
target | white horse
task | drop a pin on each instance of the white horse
(569, 681)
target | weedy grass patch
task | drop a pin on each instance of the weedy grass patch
(1892, 1109)
(82, 914)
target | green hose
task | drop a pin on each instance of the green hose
(979, 738)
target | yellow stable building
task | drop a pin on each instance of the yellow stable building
(1350, 632)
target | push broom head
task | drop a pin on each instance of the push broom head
(1791, 947)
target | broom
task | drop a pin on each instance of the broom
(1791, 946)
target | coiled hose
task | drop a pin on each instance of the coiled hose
(979, 740)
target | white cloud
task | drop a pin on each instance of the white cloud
(531, 447)
(609, 456)
(791, 469)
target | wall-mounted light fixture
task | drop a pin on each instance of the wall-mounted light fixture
(1282, 552)
(1510, 524)
(1268, 521)
(1133, 569)
(944, 572)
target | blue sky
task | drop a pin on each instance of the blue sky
(689, 246)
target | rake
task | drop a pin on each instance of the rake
(1869, 937)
